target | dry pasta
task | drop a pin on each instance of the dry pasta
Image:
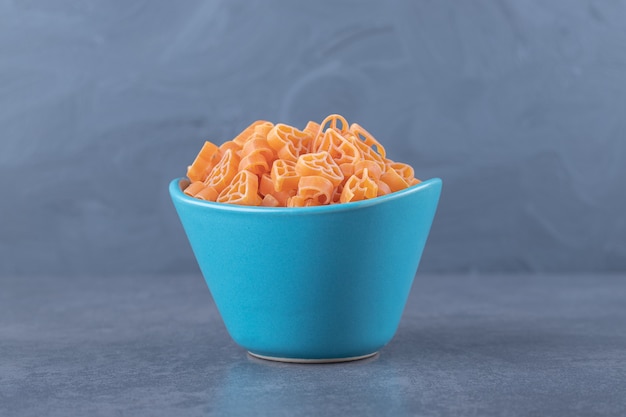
(279, 165)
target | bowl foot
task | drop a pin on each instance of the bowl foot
(305, 360)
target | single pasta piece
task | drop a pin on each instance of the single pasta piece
(192, 189)
(319, 163)
(204, 162)
(243, 190)
(336, 122)
(223, 173)
(277, 137)
(262, 129)
(367, 138)
(316, 188)
(404, 170)
(243, 137)
(270, 201)
(394, 180)
(208, 193)
(284, 175)
(359, 187)
(312, 129)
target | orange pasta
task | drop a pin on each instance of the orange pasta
(394, 180)
(284, 175)
(193, 188)
(312, 129)
(367, 138)
(279, 165)
(258, 144)
(207, 193)
(336, 197)
(262, 129)
(230, 145)
(243, 137)
(270, 201)
(283, 196)
(287, 141)
(224, 171)
(243, 190)
(299, 201)
(367, 152)
(266, 186)
(254, 162)
(320, 164)
(334, 122)
(316, 188)
(203, 163)
(340, 149)
(372, 167)
(199, 190)
(359, 187)
(383, 188)
(404, 170)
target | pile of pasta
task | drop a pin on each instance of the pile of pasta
(277, 165)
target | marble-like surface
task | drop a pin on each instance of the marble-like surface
(496, 345)
(518, 105)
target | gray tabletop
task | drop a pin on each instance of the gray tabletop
(467, 345)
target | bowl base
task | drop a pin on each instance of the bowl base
(305, 360)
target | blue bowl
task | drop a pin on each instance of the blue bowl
(311, 284)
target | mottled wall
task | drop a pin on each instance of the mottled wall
(520, 106)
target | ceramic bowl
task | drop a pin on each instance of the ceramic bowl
(311, 284)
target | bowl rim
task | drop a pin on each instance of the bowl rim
(177, 193)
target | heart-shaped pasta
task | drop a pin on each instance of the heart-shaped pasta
(367, 138)
(359, 187)
(319, 164)
(284, 175)
(225, 170)
(243, 190)
(243, 137)
(204, 162)
(279, 165)
(316, 188)
(340, 149)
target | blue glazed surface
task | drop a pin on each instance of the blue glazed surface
(315, 282)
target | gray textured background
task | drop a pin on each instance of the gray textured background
(520, 107)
